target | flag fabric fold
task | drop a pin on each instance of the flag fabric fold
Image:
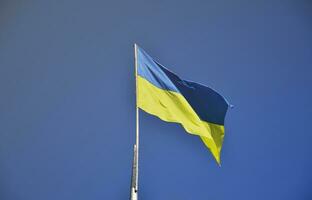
(199, 109)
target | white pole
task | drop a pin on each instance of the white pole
(137, 111)
(135, 167)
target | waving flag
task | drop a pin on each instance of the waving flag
(198, 108)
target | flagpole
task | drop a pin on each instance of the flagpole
(135, 165)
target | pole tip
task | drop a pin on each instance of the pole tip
(135, 45)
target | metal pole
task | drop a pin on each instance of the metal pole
(135, 167)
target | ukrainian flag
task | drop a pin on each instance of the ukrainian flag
(198, 108)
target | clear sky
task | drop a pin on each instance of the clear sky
(67, 107)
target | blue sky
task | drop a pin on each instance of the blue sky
(67, 107)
